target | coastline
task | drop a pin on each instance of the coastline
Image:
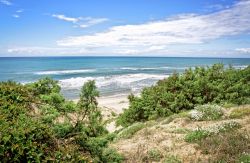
(115, 103)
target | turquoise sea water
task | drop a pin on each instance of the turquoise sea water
(113, 75)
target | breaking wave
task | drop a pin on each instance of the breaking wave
(64, 72)
(129, 81)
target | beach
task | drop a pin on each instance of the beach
(114, 103)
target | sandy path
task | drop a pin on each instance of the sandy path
(114, 103)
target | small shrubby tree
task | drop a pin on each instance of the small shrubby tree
(89, 114)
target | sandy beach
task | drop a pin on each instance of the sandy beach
(114, 104)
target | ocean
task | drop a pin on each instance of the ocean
(113, 75)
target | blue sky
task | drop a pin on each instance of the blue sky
(212, 28)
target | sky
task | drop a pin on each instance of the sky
(193, 28)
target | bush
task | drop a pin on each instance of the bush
(49, 113)
(225, 127)
(130, 131)
(25, 139)
(244, 158)
(172, 159)
(199, 134)
(227, 147)
(206, 112)
(154, 155)
(215, 85)
(29, 132)
(44, 86)
(62, 129)
(111, 155)
(53, 99)
(196, 135)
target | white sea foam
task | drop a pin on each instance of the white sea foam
(140, 68)
(152, 68)
(132, 81)
(240, 66)
(64, 72)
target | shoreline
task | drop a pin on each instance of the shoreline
(115, 103)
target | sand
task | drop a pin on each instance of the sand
(110, 107)
(114, 103)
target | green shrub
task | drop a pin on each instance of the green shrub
(154, 155)
(130, 131)
(225, 127)
(29, 132)
(172, 159)
(25, 139)
(54, 99)
(199, 134)
(227, 146)
(49, 113)
(69, 107)
(199, 86)
(111, 155)
(62, 129)
(206, 112)
(196, 135)
(244, 158)
(44, 86)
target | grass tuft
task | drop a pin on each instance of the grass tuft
(130, 131)
(240, 112)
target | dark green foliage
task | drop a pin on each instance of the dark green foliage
(62, 129)
(35, 125)
(88, 103)
(183, 92)
(22, 138)
(97, 146)
(110, 155)
(88, 112)
(15, 99)
(45, 86)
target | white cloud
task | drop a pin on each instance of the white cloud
(16, 16)
(37, 50)
(82, 22)
(65, 18)
(184, 29)
(6, 2)
(243, 50)
(182, 35)
(91, 21)
(19, 11)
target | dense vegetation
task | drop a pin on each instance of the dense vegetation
(185, 91)
(38, 125)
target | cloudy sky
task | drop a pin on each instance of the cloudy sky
(211, 28)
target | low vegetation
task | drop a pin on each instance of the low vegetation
(206, 112)
(240, 112)
(38, 125)
(199, 134)
(214, 85)
(231, 146)
(174, 121)
(130, 131)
